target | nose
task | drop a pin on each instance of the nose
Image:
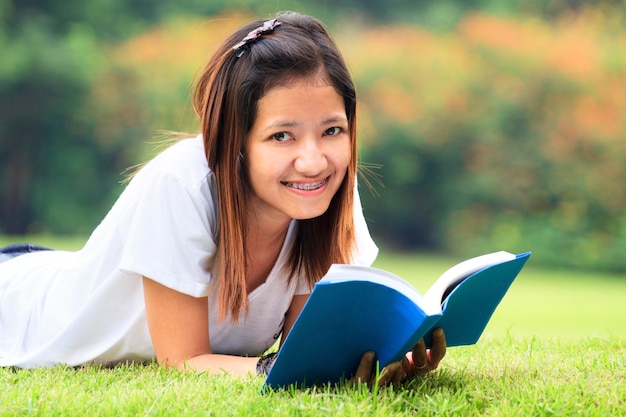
(311, 158)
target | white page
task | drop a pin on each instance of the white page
(461, 271)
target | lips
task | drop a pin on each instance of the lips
(306, 187)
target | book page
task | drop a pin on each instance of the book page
(455, 275)
(343, 273)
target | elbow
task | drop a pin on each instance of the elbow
(179, 362)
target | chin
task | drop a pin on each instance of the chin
(310, 214)
(308, 217)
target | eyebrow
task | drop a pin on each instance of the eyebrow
(281, 124)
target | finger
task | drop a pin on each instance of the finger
(438, 349)
(364, 371)
(401, 373)
(407, 366)
(418, 354)
(392, 373)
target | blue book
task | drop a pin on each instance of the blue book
(356, 309)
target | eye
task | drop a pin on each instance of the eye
(281, 136)
(333, 131)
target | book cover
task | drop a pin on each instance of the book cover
(355, 309)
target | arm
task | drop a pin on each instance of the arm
(297, 303)
(179, 328)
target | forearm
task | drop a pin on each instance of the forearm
(216, 364)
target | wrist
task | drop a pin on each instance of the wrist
(265, 363)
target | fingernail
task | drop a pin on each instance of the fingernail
(438, 332)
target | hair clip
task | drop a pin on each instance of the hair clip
(267, 27)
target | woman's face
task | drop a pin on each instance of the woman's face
(298, 150)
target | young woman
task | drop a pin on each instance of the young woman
(210, 252)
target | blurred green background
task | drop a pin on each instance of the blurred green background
(484, 124)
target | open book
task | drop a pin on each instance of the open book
(356, 309)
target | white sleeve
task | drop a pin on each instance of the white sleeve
(169, 238)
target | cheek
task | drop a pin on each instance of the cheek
(256, 160)
(263, 166)
(342, 156)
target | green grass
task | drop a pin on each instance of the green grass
(56, 242)
(555, 346)
(530, 376)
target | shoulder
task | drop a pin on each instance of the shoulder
(178, 180)
(185, 160)
(183, 163)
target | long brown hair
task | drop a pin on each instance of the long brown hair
(225, 98)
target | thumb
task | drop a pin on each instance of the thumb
(364, 371)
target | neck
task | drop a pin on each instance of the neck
(264, 241)
(265, 232)
(263, 226)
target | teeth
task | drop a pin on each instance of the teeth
(306, 187)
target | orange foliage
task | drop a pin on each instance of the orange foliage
(602, 116)
(499, 33)
(409, 73)
(395, 102)
(179, 44)
(151, 75)
(571, 47)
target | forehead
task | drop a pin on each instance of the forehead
(317, 77)
(301, 100)
(312, 82)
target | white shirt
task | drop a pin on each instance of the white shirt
(88, 306)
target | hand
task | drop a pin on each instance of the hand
(417, 362)
(393, 373)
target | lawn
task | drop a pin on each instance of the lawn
(555, 346)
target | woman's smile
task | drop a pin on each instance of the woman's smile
(306, 186)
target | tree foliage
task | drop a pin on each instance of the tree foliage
(500, 129)
(45, 77)
(514, 131)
